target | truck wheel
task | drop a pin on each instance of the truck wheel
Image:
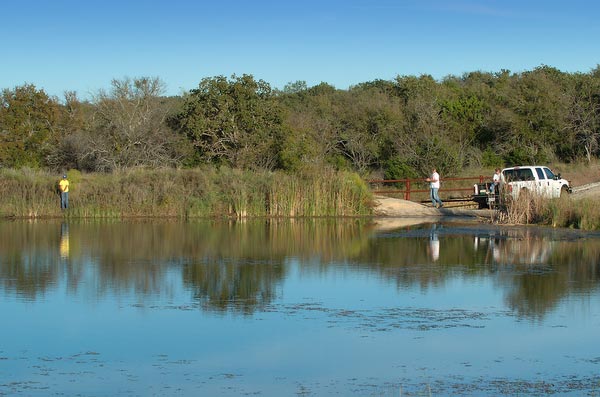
(564, 191)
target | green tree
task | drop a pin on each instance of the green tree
(68, 142)
(311, 126)
(540, 102)
(235, 122)
(584, 115)
(463, 117)
(28, 122)
(295, 87)
(491, 114)
(423, 140)
(369, 119)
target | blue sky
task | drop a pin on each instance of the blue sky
(80, 45)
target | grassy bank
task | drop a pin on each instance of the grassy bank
(202, 192)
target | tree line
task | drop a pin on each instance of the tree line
(390, 128)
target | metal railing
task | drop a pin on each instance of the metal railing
(408, 183)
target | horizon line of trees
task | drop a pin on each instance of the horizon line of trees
(394, 129)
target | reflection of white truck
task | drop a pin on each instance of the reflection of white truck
(535, 179)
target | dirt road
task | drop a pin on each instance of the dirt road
(589, 190)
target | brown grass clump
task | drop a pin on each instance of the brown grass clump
(525, 210)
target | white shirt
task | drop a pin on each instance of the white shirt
(435, 180)
(496, 178)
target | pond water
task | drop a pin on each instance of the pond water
(297, 307)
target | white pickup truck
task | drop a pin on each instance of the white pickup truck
(534, 179)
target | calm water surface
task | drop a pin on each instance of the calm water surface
(285, 308)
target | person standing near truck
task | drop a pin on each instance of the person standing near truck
(63, 186)
(497, 180)
(434, 180)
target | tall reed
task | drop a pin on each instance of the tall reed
(526, 209)
(581, 214)
(566, 212)
(200, 192)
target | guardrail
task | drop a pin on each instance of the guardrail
(408, 183)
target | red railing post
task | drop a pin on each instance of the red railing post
(407, 194)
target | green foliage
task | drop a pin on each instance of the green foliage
(233, 122)
(395, 168)
(479, 118)
(28, 125)
(295, 151)
(518, 156)
(295, 87)
(490, 158)
(466, 111)
(339, 162)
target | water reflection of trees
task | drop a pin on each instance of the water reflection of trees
(545, 267)
(225, 285)
(226, 266)
(537, 268)
(23, 269)
(243, 264)
(240, 266)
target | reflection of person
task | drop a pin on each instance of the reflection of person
(63, 186)
(434, 179)
(64, 241)
(434, 244)
(495, 246)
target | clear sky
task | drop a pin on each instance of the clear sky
(81, 45)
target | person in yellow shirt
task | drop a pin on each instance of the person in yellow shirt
(63, 185)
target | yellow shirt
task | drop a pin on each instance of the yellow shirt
(63, 185)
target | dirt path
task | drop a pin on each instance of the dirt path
(392, 207)
(589, 190)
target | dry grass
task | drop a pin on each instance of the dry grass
(580, 173)
(525, 210)
(565, 212)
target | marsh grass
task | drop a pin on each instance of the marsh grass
(201, 192)
(527, 209)
(565, 212)
(581, 214)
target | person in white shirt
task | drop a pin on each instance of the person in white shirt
(497, 179)
(434, 179)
